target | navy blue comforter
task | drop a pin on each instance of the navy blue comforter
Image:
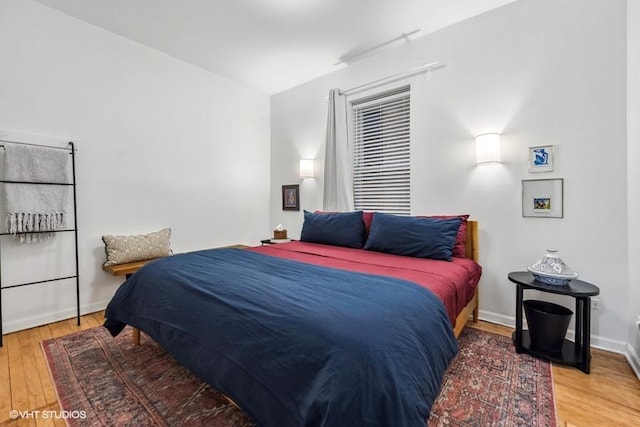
(294, 344)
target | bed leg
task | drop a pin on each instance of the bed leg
(476, 309)
(136, 336)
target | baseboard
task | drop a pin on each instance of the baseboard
(633, 359)
(51, 317)
(500, 319)
(597, 341)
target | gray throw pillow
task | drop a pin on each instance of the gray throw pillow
(124, 249)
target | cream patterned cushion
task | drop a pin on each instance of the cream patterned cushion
(123, 249)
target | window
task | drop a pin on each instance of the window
(381, 156)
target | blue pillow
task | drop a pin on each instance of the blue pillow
(337, 229)
(411, 236)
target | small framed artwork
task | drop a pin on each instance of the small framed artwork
(541, 158)
(542, 198)
(291, 197)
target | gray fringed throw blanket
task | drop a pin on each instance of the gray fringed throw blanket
(35, 207)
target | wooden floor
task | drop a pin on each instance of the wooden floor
(609, 396)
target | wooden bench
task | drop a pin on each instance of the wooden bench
(127, 270)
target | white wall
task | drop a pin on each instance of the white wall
(160, 143)
(633, 174)
(540, 72)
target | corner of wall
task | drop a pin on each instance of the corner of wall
(633, 359)
(633, 173)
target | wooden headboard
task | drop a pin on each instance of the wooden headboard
(471, 242)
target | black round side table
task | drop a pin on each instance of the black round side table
(576, 353)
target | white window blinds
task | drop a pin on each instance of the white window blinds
(381, 158)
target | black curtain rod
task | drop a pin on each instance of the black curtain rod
(38, 145)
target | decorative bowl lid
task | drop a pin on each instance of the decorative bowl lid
(551, 265)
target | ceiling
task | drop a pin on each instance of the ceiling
(270, 45)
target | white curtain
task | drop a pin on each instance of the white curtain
(338, 175)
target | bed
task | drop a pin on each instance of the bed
(309, 333)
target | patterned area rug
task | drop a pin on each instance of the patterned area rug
(111, 382)
(489, 384)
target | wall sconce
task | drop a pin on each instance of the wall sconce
(306, 168)
(488, 148)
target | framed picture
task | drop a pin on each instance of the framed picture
(291, 197)
(541, 158)
(542, 198)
